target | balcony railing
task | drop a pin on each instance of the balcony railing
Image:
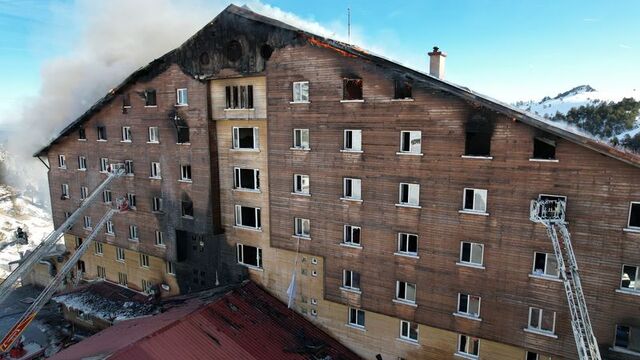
(552, 211)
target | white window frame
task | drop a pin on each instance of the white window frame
(301, 190)
(635, 287)
(257, 217)
(87, 222)
(236, 138)
(120, 254)
(469, 341)
(182, 97)
(406, 335)
(131, 199)
(466, 311)
(356, 140)
(302, 95)
(99, 249)
(156, 171)
(170, 268)
(82, 163)
(408, 237)
(185, 173)
(356, 191)
(107, 196)
(299, 226)
(123, 279)
(109, 228)
(101, 272)
(406, 298)
(144, 260)
(128, 166)
(413, 194)
(298, 134)
(483, 193)
(347, 280)
(62, 161)
(160, 238)
(65, 190)
(471, 252)
(126, 134)
(413, 148)
(539, 329)
(154, 135)
(241, 259)
(84, 192)
(133, 233)
(349, 231)
(546, 263)
(629, 217)
(356, 311)
(157, 204)
(237, 179)
(104, 165)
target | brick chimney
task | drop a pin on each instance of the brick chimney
(436, 63)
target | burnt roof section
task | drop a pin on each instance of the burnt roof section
(278, 34)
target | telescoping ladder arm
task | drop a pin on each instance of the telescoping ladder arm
(50, 240)
(550, 213)
(46, 294)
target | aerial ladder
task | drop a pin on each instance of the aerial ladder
(49, 241)
(551, 213)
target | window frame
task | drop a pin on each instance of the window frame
(547, 142)
(546, 263)
(62, 161)
(104, 165)
(468, 340)
(182, 97)
(150, 98)
(466, 312)
(348, 282)
(471, 252)
(82, 163)
(345, 138)
(407, 336)
(301, 87)
(170, 268)
(355, 311)
(109, 228)
(126, 134)
(129, 168)
(154, 135)
(473, 210)
(101, 133)
(98, 249)
(344, 189)
(539, 329)
(240, 257)
(156, 204)
(301, 145)
(301, 190)
(350, 230)
(133, 233)
(631, 205)
(107, 197)
(185, 206)
(156, 170)
(257, 217)
(238, 95)
(628, 340)
(185, 173)
(144, 260)
(402, 142)
(408, 236)
(159, 238)
(409, 187)
(406, 287)
(236, 138)
(636, 283)
(64, 188)
(298, 228)
(84, 192)
(87, 223)
(101, 272)
(120, 254)
(237, 179)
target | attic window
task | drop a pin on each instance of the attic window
(126, 101)
(478, 136)
(351, 89)
(82, 135)
(402, 90)
(544, 149)
(150, 97)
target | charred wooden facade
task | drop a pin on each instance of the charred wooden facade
(444, 178)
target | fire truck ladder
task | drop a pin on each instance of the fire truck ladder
(6, 287)
(53, 286)
(551, 213)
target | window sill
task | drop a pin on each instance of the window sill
(151, 106)
(103, 172)
(157, 212)
(545, 277)
(300, 237)
(351, 290)
(127, 175)
(624, 351)
(82, 139)
(125, 141)
(409, 153)
(351, 246)
(300, 149)
(101, 140)
(110, 234)
(301, 194)
(251, 267)
(62, 167)
(466, 316)
(631, 230)
(144, 267)
(188, 217)
(628, 292)
(477, 157)
(409, 206)
(475, 266)
(82, 169)
(87, 229)
(247, 228)
(351, 200)
(471, 212)
(403, 100)
(345, 151)
(237, 110)
(161, 246)
(133, 240)
(183, 144)
(299, 102)
(357, 327)
(181, 105)
(540, 332)
(120, 261)
(407, 255)
(185, 181)
(155, 178)
(153, 142)
(245, 150)
(409, 341)
(241, 190)
(404, 302)
(544, 160)
(465, 356)
(96, 254)
(352, 101)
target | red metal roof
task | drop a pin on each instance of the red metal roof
(245, 323)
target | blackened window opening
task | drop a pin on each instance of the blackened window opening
(182, 129)
(239, 97)
(82, 135)
(126, 101)
(249, 217)
(150, 98)
(245, 138)
(187, 208)
(402, 90)
(102, 133)
(634, 217)
(544, 149)
(478, 136)
(352, 89)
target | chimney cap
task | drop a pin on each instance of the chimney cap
(436, 51)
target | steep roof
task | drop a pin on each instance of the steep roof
(245, 323)
(298, 36)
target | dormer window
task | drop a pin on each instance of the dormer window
(402, 90)
(351, 89)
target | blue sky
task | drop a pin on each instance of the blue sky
(508, 49)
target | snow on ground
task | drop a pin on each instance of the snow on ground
(104, 308)
(15, 211)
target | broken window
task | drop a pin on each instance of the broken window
(468, 345)
(245, 138)
(239, 97)
(542, 320)
(150, 97)
(471, 253)
(351, 279)
(246, 179)
(405, 291)
(409, 194)
(302, 227)
(410, 142)
(544, 149)
(408, 243)
(351, 89)
(634, 215)
(469, 305)
(185, 173)
(301, 92)
(126, 101)
(249, 255)
(628, 338)
(545, 265)
(133, 232)
(351, 189)
(474, 200)
(352, 235)
(352, 140)
(301, 184)
(301, 139)
(248, 217)
(155, 170)
(629, 280)
(356, 317)
(182, 97)
(409, 331)
(402, 90)
(478, 136)
(82, 135)
(102, 133)
(187, 209)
